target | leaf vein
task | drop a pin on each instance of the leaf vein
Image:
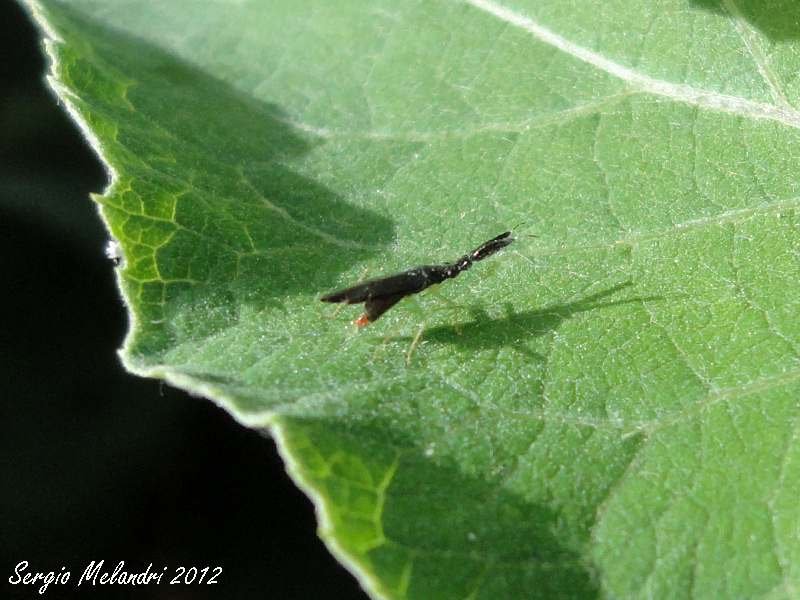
(680, 92)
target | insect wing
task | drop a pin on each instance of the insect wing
(375, 307)
(404, 283)
(351, 295)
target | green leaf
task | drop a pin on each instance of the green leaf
(608, 410)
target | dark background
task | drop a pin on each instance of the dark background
(95, 463)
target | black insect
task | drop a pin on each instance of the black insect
(382, 293)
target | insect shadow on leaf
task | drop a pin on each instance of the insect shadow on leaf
(515, 329)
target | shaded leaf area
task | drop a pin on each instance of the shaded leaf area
(607, 410)
(197, 207)
(779, 21)
(496, 543)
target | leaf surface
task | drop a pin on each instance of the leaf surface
(608, 410)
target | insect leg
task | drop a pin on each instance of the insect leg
(414, 343)
(382, 345)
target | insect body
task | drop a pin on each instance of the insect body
(382, 293)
